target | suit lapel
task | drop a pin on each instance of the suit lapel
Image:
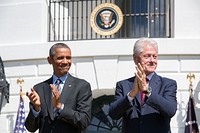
(155, 82)
(48, 97)
(67, 88)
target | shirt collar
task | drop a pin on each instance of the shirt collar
(150, 76)
(63, 78)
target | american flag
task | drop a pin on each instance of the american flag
(20, 120)
(191, 125)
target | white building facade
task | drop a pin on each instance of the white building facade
(24, 47)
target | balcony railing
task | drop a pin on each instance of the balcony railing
(70, 19)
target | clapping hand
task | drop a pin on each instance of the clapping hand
(34, 99)
(55, 97)
(141, 77)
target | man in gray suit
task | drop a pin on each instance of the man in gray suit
(62, 103)
(147, 101)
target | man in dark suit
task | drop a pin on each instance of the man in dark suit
(63, 105)
(147, 101)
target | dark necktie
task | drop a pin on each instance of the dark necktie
(57, 84)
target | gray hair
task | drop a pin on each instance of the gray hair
(139, 45)
(55, 46)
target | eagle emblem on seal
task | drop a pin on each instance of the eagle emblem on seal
(107, 19)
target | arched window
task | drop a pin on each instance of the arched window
(101, 121)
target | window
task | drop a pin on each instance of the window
(101, 121)
(145, 18)
(70, 19)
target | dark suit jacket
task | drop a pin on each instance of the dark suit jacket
(76, 114)
(153, 116)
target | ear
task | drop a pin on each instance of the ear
(49, 60)
(135, 59)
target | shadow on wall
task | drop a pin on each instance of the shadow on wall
(180, 116)
(11, 122)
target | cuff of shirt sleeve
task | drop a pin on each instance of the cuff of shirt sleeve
(35, 113)
(130, 98)
(61, 108)
(148, 95)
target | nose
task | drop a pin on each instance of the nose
(151, 58)
(65, 60)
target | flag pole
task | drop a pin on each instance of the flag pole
(20, 81)
(190, 78)
(20, 120)
(191, 125)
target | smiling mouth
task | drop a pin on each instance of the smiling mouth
(151, 64)
(65, 67)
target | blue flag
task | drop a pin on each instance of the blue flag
(191, 125)
(20, 120)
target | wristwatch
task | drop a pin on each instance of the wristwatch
(148, 90)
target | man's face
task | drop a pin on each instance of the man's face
(61, 61)
(148, 59)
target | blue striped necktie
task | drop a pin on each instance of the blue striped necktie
(57, 84)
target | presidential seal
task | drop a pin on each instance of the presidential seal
(106, 19)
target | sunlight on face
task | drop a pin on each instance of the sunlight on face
(148, 59)
(61, 61)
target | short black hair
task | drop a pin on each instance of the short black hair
(57, 45)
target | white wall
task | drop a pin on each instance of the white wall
(24, 48)
(23, 22)
(187, 19)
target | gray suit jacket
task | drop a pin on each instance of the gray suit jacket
(76, 114)
(153, 116)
